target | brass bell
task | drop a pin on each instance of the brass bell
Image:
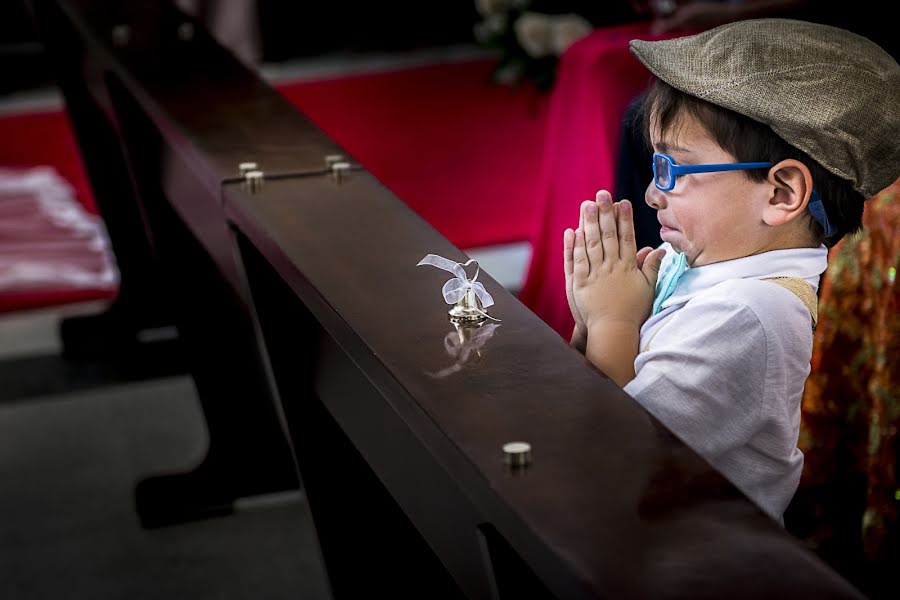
(467, 309)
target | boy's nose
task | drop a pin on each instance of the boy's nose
(655, 198)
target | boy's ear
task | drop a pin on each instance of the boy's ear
(792, 185)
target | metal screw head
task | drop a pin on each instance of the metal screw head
(121, 35)
(254, 180)
(340, 170)
(331, 159)
(517, 454)
(244, 167)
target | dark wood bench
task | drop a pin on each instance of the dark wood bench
(303, 305)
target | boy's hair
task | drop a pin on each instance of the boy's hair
(822, 90)
(751, 141)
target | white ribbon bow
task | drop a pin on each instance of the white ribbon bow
(455, 289)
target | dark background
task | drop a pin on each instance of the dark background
(288, 30)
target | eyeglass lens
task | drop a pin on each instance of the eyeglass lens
(663, 172)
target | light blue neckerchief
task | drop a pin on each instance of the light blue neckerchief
(668, 280)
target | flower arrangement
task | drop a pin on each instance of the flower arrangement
(530, 37)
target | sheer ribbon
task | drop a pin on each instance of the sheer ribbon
(455, 289)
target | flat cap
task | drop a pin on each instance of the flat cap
(827, 91)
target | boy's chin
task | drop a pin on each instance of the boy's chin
(691, 258)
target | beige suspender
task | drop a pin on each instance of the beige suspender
(804, 291)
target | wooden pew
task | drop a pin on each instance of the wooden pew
(157, 180)
(396, 418)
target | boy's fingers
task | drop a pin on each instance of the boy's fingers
(591, 231)
(580, 265)
(641, 256)
(625, 224)
(608, 231)
(581, 210)
(568, 249)
(651, 265)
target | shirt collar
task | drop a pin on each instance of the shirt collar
(805, 263)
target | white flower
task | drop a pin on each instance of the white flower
(565, 30)
(533, 30)
(491, 26)
(486, 8)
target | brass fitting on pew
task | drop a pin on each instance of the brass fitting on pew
(330, 159)
(254, 180)
(340, 171)
(338, 165)
(253, 176)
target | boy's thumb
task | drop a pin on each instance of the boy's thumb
(651, 265)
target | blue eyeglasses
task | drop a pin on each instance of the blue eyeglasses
(666, 172)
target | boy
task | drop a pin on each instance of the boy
(768, 136)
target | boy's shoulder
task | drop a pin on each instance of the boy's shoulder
(771, 292)
(775, 306)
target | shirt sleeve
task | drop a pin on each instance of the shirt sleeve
(704, 375)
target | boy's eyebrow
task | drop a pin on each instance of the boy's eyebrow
(667, 147)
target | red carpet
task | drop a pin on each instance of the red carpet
(462, 152)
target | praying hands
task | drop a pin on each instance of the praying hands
(609, 285)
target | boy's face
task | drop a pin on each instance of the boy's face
(711, 217)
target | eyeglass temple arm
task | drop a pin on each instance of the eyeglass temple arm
(688, 169)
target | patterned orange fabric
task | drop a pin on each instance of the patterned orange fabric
(851, 405)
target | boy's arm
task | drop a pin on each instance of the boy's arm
(579, 333)
(579, 339)
(612, 347)
(622, 344)
(611, 291)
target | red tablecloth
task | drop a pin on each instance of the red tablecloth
(46, 138)
(596, 78)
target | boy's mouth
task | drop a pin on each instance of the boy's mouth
(669, 234)
(665, 228)
(663, 225)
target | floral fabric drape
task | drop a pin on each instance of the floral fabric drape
(851, 404)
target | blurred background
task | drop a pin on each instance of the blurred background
(466, 92)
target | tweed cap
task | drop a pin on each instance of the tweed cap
(827, 91)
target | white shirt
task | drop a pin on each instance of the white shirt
(723, 364)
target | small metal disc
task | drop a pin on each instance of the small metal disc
(244, 167)
(517, 454)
